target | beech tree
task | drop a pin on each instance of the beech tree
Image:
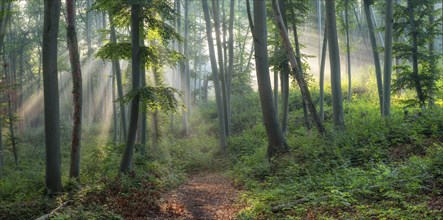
(74, 57)
(215, 77)
(334, 57)
(126, 161)
(276, 141)
(51, 96)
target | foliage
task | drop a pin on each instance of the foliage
(374, 169)
(428, 27)
(154, 98)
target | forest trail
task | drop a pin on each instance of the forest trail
(203, 196)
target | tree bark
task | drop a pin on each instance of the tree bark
(126, 162)
(144, 116)
(291, 56)
(414, 51)
(230, 71)
(51, 96)
(74, 57)
(221, 64)
(276, 140)
(284, 76)
(215, 76)
(348, 51)
(334, 56)
(322, 74)
(378, 73)
(118, 76)
(389, 22)
(300, 72)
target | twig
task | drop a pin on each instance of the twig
(46, 216)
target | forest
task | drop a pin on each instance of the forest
(221, 109)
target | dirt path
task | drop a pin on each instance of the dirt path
(203, 196)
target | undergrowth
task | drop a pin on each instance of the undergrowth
(374, 169)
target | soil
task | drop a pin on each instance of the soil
(203, 196)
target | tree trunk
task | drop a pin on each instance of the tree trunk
(1, 147)
(348, 51)
(300, 79)
(215, 76)
(414, 51)
(74, 169)
(284, 76)
(388, 59)
(300, 72)
(155, 125)
(132, 130)
(322, 74)
(276, 141)
(118, 76)
(51, 97)
(221, 64)
(144, 116)
(378, 74)
(230, 71)
(185, 71)
(334, 56)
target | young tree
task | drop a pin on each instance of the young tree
(334, 57)
(215, 76)
(125, 164)
(51, 96)
(389, 22)
(375, 55)
(296, 67)
(276, 141)
(74, 57)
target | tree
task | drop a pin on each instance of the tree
(51, 96)
(375, 55)
(276, 141)
(334, 57)
(118, 75)
(215, 77)
(296, 67)
(221, 63)
(348, 50)
(125, 164)
(74, 57)
(389, 22)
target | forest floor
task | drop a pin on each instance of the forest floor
(203, 196)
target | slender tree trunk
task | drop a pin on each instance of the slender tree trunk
(51, 97)
(1, 146)
(292, 59)
(185, 71)
(334, 56)
(144, 117)
(300, 72)
(414, 51)
(215, 76)
(90, 90)
(118, 76)
(230, 71)
(215, 6)
(322, 74)
(276, 83)
(155, 125)
(284, 75)
(388, 59)
(375, 54)
(74, 169)
(135, 41)
(114, 108)
(348, 51)
(276, 140)
(9, 81)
